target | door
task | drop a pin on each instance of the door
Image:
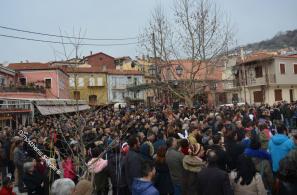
(291, 95)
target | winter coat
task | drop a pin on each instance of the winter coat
(132, 166)
(192, 165)
(68, 168)
(163, 181)
(233, 151)
(101, 181)
(174, 160)
(18, 157)
(256, 187)
(279, 146)
(7, 191)
(141, 187)
(158, 144)
(213, 181)
(33, 182)
(116, 170)
(261, 160)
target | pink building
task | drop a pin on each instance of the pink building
(53, 81)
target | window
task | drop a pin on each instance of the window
(278, 95)
(71, 82)
(92, 99)
(258, 96)
(80, 82)
(48, 83)
(76, 95)
(258, 71)
(282, 68)
(23, 81)
(295, 68)
(100, 81)
(91, 81)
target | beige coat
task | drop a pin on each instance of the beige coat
(256, 187)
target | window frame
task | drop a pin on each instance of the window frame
(280, 70)
(281, 95)
(258, 67)
(295, 68)
(47, 78)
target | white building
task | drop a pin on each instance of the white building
(266, 78)
(119, 80)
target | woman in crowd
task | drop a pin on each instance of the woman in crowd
(245, 180)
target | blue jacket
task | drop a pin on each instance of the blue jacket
(140, 187)
(279, 146)
(262, 154)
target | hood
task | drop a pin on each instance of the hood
(279, 139)
(192, 163)
(140, 186)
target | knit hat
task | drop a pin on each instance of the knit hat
(83, 187)
(195, 149)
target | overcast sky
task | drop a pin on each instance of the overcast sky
(254, 20)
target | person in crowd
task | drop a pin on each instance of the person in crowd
(287, 173)
(163, 181)
(193, 133)
(83, 187)
(265, 135)
(279, 146)
(64, 186)
(98, 167)
(7, 187)
(69, 169)
(32, 179)
(220, 151)
(116, 170)
(19, 158)
(245, 180)
(133, 161)
(144, 185)
(192, 164)
(233, 148)
(174, 160)
(160, 141)
(262, 161)
(211, 180)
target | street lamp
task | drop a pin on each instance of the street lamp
(179, 70)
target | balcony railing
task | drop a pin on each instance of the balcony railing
(33, 89)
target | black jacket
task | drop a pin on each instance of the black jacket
(132, 166)
(33, 183)
(233, 151)
(213, 181)
(163, 181)
(116, 170)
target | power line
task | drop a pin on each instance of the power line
(67, 43)
(69, 37)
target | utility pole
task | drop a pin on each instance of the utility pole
(155, 61)
(244, 73)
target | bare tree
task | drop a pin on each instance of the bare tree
(196, 40)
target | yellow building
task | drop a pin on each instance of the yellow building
(88, 84)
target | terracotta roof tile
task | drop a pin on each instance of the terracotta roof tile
(34, 66)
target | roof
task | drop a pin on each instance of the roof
(7, 70)
(34, 66)
(262, 56)
(99, 53)
(124, 72)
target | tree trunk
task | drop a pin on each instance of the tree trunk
(189, 101)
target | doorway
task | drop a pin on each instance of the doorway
(291, 95)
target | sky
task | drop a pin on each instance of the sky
(252, 21)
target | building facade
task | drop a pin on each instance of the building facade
(266, 78)
(88, 86)
(118, 82)
(52, 80)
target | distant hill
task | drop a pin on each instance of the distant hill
(281, 40)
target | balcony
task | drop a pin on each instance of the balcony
(32, 89)
(264, 80)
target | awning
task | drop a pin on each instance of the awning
(48, 110)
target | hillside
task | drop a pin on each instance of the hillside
(282, 40)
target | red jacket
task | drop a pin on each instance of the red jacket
(68, 168)
(6, 191)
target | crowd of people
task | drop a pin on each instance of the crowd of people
(241, 150)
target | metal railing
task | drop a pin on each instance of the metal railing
(23, 89)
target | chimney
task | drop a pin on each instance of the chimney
(242, 54)
(91, 52)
